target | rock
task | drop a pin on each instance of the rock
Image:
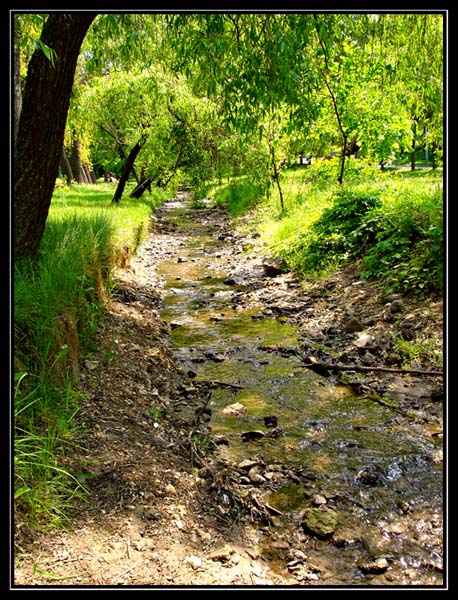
(270, 421)
(91, 364)
(194, 561)
(255, 476)
(318, 500)
(274, 266)
(170, 489)
(352, 325)
(320, 522)
(248, 464)
(248, 436)
(379, 565)
(364, 340)
(222, 555)
(235, 409)
(397, 306)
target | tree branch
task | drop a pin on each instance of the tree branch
(323, 367)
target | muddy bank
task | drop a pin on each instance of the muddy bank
(169, 505)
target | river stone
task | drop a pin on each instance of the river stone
(273, 266)
(234, 409)
(379, 565)
(352, 324)
(320, 522)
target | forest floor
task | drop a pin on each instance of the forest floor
(149, 519)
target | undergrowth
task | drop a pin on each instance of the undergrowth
(59, 300)
(389, 223)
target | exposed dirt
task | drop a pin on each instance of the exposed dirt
(149, 519)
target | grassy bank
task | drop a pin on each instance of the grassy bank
(390, 223)
(58, 304)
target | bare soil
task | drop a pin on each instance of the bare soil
(148, 519)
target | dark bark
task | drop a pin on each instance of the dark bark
(66, 168)
(414, 137)
(92, 176)
(120, 145)
(75, 161)
(87, 175)
(41, 127)
(127, 169)
(140, 188)
(17, 82)
(276, 175)
(322, 368)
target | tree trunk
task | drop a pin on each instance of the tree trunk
(17, 83)
(140, 188)
(66, 168)
(93, 176)
(342, 160)
(412, 156)
(87, 175)
(42, 126)
(127, 169)
(276, 175)
(75, 161)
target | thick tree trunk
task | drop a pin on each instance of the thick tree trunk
(127, 169)
(66, 168)
(42, 126)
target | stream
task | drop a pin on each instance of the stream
(366, 477)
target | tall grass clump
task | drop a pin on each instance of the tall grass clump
(59, 302)
(239, 196)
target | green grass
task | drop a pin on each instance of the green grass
(389, 222)
(58, 306)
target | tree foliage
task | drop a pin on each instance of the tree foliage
(210, 94)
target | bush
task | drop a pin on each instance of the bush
(340, 233)
(407, 254)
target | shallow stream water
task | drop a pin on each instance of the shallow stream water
(375, 467)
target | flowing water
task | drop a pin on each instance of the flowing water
(375, 466)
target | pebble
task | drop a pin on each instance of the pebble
(194, 561)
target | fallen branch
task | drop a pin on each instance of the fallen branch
(225, 385)
(323, 367)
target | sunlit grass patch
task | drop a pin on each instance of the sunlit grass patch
(59, 301)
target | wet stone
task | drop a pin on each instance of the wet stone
(320, 522)
(380, 565)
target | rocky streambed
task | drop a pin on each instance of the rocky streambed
(342, 468)
(213, 450)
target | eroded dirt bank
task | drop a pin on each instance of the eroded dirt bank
(165, 510)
